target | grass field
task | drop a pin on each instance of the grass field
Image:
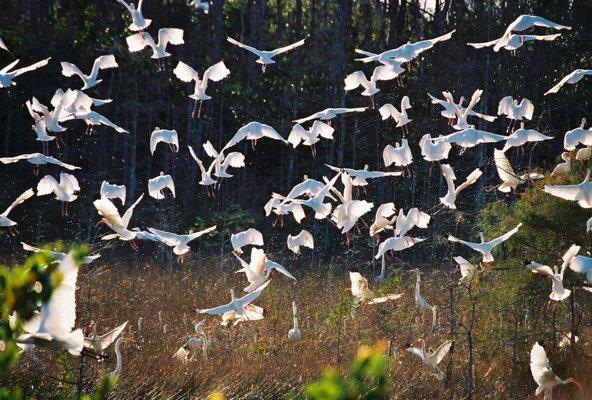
(257, 361)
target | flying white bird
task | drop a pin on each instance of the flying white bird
(362, 293)
(179, 243)
(358, 78)
(254, 131)
(53, 118)
(543, 374)
(59, 256)
(464, 113)
(166, 136)
(6, 222)
(73, 101)
(215, 73)
(265, 57)
(310, 136)
(577, 136)
(415, 217)
(514, 42)
(405, 53)
(347, 214)
(450, 115)
(316, 201)
(572, 78)
(40, 128)
(307, 188)
(118, 224)
(558, 292)
(400, 154)
(157, 185)
(467, 270)
(397, 243)
(485, 248)
(385, 218)
(7, 74)
(510, 180)
(206, 175)
(294, 332)
(58, 314)
(450, 198)
(279, 206)
(89, 81)
(258, 271)
(515, 111)
(99, 343)
(582, 192)
(522, 136)
(421, 302)
(523, 23)
(304, 238)
(583, 265)
(361, 175)
(137, 42)
(329, 113)
(434, 149)
(431, 360)
(139, 23)
(250, 237)
(37, 159)
(471, 137)
(93, 118)
(64, 190)
(200, 5)
(238, 310)
(401, 118)
(111, 191)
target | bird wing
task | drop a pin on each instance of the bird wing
(108, 211)
(464, 265)
(129, 212)
(170, 35)
(483, 44)
(504, 168)
(527, 108)
(156, 137)
(548, 38)
(387, 110)
(244, 46)
(539, 363)
(168, 238)
(106, 121)
(185, 73)
(271, 133)
(568, 257)
(505, 236)
(441, 351)
(287, 48)
(384, 73)
(322, 129)
(297, 134)
(279, 268)
(449, 176)
(216, 72)
(19, 200)
(355, 79)
(46, 185)
(250, 237)
(250, 297)
(567, 192)
(450, 100)
(125, 5)
(505, 105)
(359, 284)
(111, 336)
(103, 62)
(69, 183)
(234, 159)
(195, 235)
(137, 41)
(31, 67)
(58, 314)
(55, 161)
(69, 69)
(474, 100)
(581, 264)
(405, 103)
(559, 84)
(3, 45)
(541, 269)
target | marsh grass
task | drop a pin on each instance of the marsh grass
(257, 361)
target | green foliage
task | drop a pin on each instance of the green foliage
(367, 378)
(104, 388)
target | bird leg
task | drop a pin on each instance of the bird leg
(101, 222)
(313, 150)
(347, 238)
(277, 220)
(430, 170)
(35, 170)
(372, 105)
(12, 231)
(263, 68)
(133, 245)
(180, 259)
(253, 143)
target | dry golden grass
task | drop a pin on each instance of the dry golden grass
(256, 360)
